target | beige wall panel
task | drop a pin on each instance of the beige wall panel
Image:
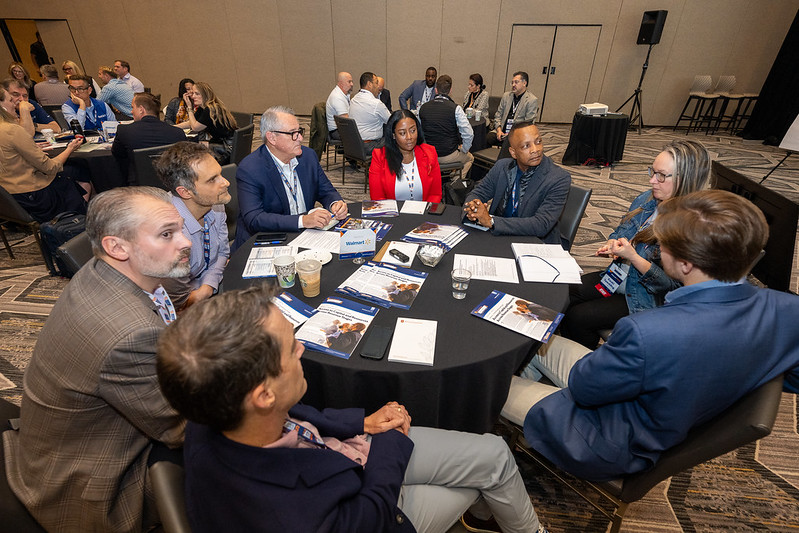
(414, 41)
(359, 38)
(258, 54)
(307, 32)
(757, 43)
(468, 42)
(57, 38)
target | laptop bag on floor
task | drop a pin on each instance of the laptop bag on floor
(55, 233)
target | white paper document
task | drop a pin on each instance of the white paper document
(414, 341)
(500, 269)
(546, 263)
(259, 263)
(317, 239)
(413, 207)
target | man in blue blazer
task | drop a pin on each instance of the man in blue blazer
(666, 370)
(420, 91)
(256, 460)
(279, 184)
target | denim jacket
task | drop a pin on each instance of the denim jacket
(644, 291)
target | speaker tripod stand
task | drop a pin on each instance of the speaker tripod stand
(636, 113)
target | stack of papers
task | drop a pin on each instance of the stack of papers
(431, 233)
(380, 228)
(547, 263)
(336, 327)
(317, 239)
(379, 208)
(522, 316)
(384, 284)
(295, 310)
(413, 207)
(501, 269)
(414, 341)
(259, 263)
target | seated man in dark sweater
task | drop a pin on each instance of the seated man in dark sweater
(256, 460)
(446, 127)
(145, 132)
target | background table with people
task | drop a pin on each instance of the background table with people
(474, 359)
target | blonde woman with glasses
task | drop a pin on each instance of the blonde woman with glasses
(635, 280)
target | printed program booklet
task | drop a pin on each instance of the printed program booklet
(414, 341)
(380, 228)
(295, 310)
(432, 233)
(259, 263)
(379, 208)
(384, 284)
(336, 327)
(522, 316)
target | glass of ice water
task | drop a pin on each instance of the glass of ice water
(460, 282)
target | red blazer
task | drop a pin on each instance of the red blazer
(382, 180)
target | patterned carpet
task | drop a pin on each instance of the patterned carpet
(755, 488)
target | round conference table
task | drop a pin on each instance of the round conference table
(467, 385)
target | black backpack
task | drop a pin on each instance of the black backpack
(55, 233)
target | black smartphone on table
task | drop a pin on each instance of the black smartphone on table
(264, 239)
(376, 344)
(436, 209)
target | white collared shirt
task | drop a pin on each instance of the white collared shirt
(337, 103)
(369, 114)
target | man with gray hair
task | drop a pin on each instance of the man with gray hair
(199, 192)
(280, 183)
(91, 406)
(51, 91)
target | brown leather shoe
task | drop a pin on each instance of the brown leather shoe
(475, 525)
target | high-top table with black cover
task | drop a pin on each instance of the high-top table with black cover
(474, 359)
(598, 137)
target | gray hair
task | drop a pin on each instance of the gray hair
(270, 121)
(49, 71)
(116, 213)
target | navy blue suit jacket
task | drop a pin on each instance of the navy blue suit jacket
(263, 202)
(148, 132)
(235, 487)
(662, 372)
(415, 91)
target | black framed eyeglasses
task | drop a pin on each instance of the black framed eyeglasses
(294, 134)
(78, 89)
(661, 177)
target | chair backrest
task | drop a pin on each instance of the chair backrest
(168, 481)
(232, 207)
(493, 105)
(59, 118)
(702, 83)
(572, 214)
(242, 119)
(747, 420)
(76, 252)
(351, 141)
(242, 143)
(143, 168)
(725, 84)
(11, 210)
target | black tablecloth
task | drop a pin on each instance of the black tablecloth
(474, 359)
(98, 165)
(600, 137)
(480, 129)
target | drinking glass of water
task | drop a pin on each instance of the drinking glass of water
(460, 282)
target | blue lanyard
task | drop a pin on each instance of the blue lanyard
(293, 189)
(206, 243)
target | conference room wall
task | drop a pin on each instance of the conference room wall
(252, 52)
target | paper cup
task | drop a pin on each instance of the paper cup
(285, 270)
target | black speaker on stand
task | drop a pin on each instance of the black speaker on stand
(650, 32)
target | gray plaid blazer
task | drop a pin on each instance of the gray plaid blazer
(91, 408)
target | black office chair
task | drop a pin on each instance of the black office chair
(15, 517)
(573, 211)
(143, 168)
(353, 146)
(168, 485)
(747, 420)
(11, 211)
(493, 105)
(59, 118)
(242, 119)
(488, 157)
(232, 207)
(76, 252)
(242, 143)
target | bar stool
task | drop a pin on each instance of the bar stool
(747, 99)
(724, 91)
(699, 96)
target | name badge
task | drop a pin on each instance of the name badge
(611, 279)
(357, 243)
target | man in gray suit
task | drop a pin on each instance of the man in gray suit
(91, 405)
(517, 105)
